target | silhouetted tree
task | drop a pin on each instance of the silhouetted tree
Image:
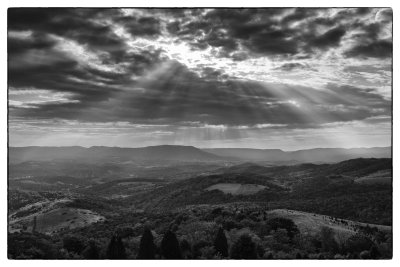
(244, 248)
(73, 243)
(116, 249)
(374, 252)
(170, 246)
(34, 224)
(185, 249)
(147, 248)
(111, 248)
(91, 251)
(220, 243)
(121, 248)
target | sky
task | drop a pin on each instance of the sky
(286, 78)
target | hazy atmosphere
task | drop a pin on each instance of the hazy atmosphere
(290, 78)
(228, 133)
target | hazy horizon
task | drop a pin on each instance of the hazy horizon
(213, 147)
(288, 78)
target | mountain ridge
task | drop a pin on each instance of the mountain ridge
(191, 153)
(97, 153)
(306, 155)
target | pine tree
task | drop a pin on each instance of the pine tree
(121, 249)
(91, 252)
(170, 246)
(220, 243)
(186, 249)
(73, 243)
(111, 249)
(147, 247)
(34, 224)
(116, 248)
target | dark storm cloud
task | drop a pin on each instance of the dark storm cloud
(329, 39)
(179, 95)
(378, 49)
(274, 32)
(172, 93)
(386, 15)
(294, 66)
(273, 43)
(42, 66)
(143, 26)
(225, 28)
(74, 24)
(299, 14)
(64, 74)
(37, 41)
(368, 42)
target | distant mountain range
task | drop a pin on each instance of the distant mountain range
(191, 154)
(110, 154)
(307, 155)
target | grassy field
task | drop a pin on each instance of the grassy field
(310, 223)
(52, 219)
(65, 218)
(237, 189)
(382, 177)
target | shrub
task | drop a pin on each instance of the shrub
(91, 251)
(74, 243)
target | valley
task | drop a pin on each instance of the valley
(345, 200)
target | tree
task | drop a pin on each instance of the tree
(33, 246)
(116, 248)
(358, 243)
(91, 252)
(365, 255)
(283, 223)
(374, 252)
(220, 243)
(170, 246)
(147, 248)
(73, 243)
(185, 249)
(244, 248)
(34, 224)
(120, 249)
(328, 242)
(197, 248)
